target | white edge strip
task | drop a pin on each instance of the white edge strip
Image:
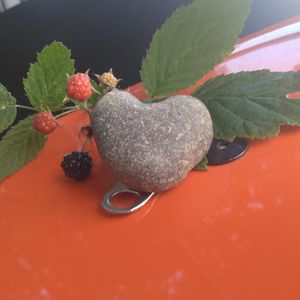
(268, 37)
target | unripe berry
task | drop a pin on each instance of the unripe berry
(109, 79)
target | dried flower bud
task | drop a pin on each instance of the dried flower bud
(109, 79)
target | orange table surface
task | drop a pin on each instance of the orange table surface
(230, 233)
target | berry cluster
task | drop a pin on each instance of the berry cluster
(77, 164)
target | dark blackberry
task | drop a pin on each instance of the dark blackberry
(77, 165)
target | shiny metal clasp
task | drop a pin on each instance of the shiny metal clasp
(222, 152)
(118, 189)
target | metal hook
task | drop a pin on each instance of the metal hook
(120, 188)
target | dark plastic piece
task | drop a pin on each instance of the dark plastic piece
(222, 152)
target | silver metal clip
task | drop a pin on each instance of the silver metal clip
(118, 189)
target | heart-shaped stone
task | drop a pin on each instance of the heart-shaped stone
(151, 147)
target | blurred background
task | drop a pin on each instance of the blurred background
(101, 33)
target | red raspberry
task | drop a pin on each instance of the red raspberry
(79, 87)
(44, 122)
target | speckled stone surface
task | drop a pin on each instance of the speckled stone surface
(151, 147)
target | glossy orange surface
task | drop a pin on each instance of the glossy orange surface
(230, 233)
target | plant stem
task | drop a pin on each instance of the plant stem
(84, 144)
(26, 107)
(66, 108)
(66, 112)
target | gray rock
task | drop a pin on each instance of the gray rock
(151, 147)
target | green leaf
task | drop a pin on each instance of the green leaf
(19, 146)
(95, 97)
(202, 166)
(46, 80)
(251, 104)
(8, 110)
(190, 43)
